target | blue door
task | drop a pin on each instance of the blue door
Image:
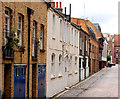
(19, 80)
(41, 80)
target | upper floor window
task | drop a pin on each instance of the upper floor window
(64, 31)
(53, 65)
(75, 37)
(53, 31)
(20, 29)
(34, 37)
(86, 45)
(72, 36)
(7, 24)
(83, 48)
(42, 37)
(61, 30)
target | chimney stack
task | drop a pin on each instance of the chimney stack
(65, 11)
(70, 14)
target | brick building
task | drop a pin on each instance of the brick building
(24, 25)
(116, 48)
(100, 40)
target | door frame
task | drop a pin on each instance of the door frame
(15, 65)
(45, 77)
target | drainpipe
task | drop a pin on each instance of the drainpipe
(29, 12)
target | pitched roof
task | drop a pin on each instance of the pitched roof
(81, 22)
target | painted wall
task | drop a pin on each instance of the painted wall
(55, 45)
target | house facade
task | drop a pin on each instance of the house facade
(23, 62)
(83, 48)
(62, 53)
(100, 40)
(104, 54)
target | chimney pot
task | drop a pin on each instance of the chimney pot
(56, 4)
(60, 4)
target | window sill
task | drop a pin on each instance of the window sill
(42, 50)
(53, 77)
(53, 38)
(76, 72)
(70, 74)
(34, 58)
(59, 76)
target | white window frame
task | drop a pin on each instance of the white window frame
(70, 64)
(86, 45)
(53, 65)
(60, 65)
(83, 48)
(53, 31)
(41, 37)
(72, 36)
(64, 32)
(20, 29)
(75, 38)
(60, 30)
(33, 39)
(76, 65)
(8, 25)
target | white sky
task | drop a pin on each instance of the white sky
(104, 12)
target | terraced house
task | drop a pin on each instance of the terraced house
(62, 53)
(83, 48)
(100, 39)
(23, 56)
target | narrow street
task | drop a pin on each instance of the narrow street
(102, 84)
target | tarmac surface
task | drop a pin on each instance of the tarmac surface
(102, 84)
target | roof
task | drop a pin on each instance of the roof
(96, 31)
(80, 22)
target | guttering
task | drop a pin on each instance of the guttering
(29, 12)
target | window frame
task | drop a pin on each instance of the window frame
(53, 65)
(42, 37)
(8, 25)
(20, 30)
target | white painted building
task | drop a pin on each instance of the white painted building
(62, 54)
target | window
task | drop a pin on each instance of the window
(33, 38)
(86, 45)
(64, 32)
(7, 24)
(53, 65)
(53, 33)
(75, 64)
(20, 29)
(71, 64)
(83, 49)
(42, 37)
(61, 30)
(75, 38)
(60, 65)
(72, 36)
(80, 43)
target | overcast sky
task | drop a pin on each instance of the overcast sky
(104, 12)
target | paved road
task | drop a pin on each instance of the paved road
(101, 84)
